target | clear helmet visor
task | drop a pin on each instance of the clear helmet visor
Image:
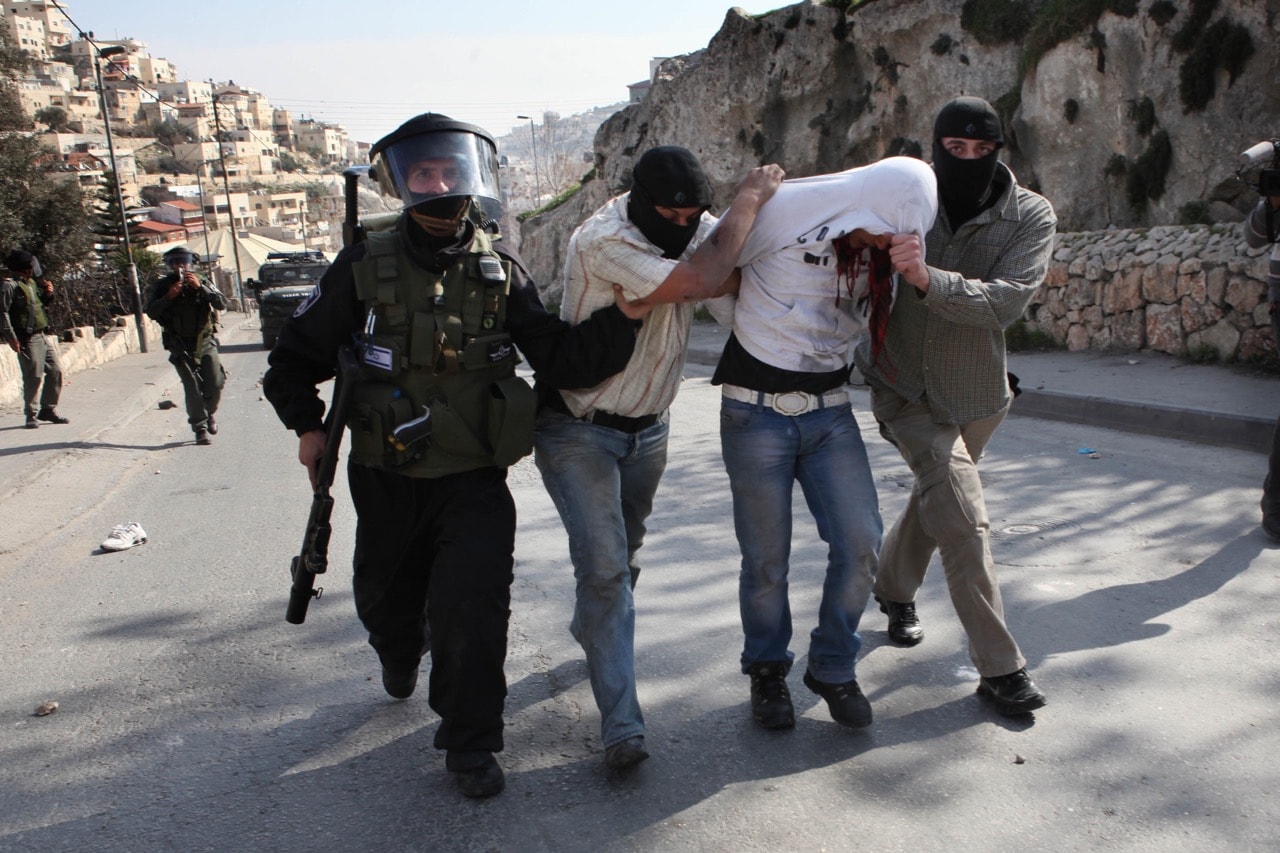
(437, 165)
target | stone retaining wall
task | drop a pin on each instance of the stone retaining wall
(1178, 290)
(80, 349)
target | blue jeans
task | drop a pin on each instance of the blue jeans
(602, 482)
(764, 454)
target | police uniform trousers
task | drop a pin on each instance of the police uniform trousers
(439, 551)
(41, 373)
(1271, 486)
(202, 380)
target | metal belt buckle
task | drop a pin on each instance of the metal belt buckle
(792, 403)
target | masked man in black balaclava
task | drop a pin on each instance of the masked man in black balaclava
(602, 450)
(987, 253)
(966, 143)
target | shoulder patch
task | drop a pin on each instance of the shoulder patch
(311, 299)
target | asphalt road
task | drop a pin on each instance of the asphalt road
(193, 717)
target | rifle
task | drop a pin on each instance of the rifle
(314, 558)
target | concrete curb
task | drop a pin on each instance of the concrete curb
(1219, 429)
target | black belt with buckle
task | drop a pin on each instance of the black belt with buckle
(623, 423)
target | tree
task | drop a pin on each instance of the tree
(288, 163)
(44, 213)
(52, 117)
(12, 63)
(170, 132)
(39, 213)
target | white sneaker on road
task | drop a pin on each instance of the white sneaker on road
(125, 536)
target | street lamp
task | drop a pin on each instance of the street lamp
(231, 215)
(533, 139)
(103, 53)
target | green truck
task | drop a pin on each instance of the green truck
(284, 281)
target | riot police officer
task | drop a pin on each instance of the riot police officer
(186, 307)
(437, 305)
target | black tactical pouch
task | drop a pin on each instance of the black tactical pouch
(376, 410)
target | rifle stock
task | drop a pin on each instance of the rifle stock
(314, 557)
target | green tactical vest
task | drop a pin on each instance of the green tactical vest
(191, 318)
(438, 346)
(36, 318)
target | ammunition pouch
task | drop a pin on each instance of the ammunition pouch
(513, 405)
(377, 408)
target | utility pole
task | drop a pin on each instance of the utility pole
(226, 188)
(102, 53)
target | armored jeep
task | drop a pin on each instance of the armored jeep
(284, 281)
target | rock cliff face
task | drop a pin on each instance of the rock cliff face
(1131, 120)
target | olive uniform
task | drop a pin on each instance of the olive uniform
(189, 321)
(23, 318)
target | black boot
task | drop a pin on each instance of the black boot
(904, 625)
(1014, 694)
(770, 698)
(478, 773)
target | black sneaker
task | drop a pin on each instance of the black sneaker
(845, 701)
(52, 417)
(203, 437)
(478, 773)
(32, 423)
(770, 699)
(399, 681)
(904, 625)
(626, 753)
(1014, 694)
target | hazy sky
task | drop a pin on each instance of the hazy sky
(370, 65)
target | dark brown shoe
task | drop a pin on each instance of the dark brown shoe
(203, 437)
(626, 753)
(52, 417)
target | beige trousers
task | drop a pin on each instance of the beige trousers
(946, 512)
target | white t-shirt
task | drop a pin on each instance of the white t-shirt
(791, 311)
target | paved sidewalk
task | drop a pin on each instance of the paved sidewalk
(1150, 393)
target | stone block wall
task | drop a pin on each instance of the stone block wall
(80, 348)
(1178, 290)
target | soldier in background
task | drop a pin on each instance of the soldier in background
(24, 325)
(186, 308)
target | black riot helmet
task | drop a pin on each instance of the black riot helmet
(180, 255)
(434, 164)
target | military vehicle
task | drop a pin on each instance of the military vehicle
(283, 282)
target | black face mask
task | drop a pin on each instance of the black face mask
(964, 186)
(671, 238)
